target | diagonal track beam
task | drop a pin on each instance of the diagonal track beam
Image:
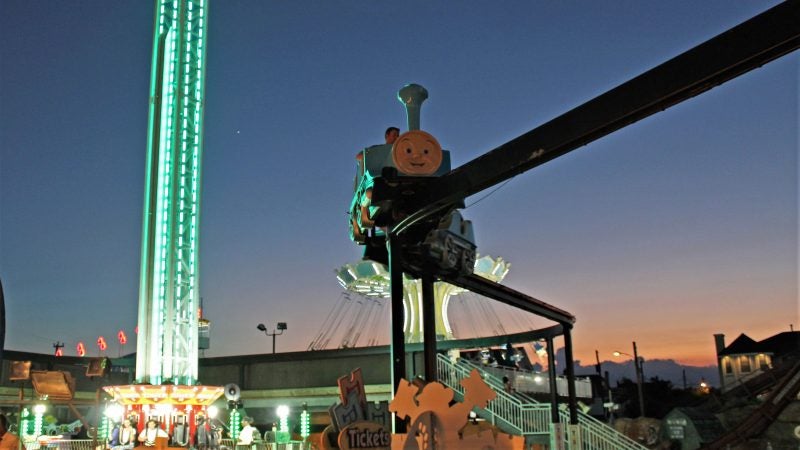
(504, 294)
(749, 45)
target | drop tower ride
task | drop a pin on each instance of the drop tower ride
(166, 388)
(167, 345)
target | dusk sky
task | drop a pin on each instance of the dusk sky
(675, 228)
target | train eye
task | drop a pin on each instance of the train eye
(408, 151)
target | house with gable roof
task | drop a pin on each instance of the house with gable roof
(745, 358)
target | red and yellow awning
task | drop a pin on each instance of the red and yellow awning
(147, 394)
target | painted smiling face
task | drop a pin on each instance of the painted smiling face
(416, 152)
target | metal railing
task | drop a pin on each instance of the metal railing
(506, 411)
(89, 444)
(65, 444)
(261, 445)
(596, 435)
(514, 414)
(489, 376)
(527, 381)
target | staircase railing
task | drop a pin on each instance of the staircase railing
(491, 379)
(514, 415)
(510, 414)
(596, 435)
(526, 381)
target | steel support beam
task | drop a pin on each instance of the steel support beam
(551, 376)
(429, 328)
(570, 369)
(398, 344)
(504, 294)
(745, 47)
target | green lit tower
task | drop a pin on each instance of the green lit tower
(167, 344)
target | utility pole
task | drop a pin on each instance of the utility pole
(637, 364)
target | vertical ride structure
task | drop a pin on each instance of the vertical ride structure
(167, 345)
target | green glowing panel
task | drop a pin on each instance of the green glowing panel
(167, 347)
(234, 422)
(305, 424)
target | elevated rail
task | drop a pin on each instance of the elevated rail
(745, 47)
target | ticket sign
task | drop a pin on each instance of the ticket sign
(364, 435)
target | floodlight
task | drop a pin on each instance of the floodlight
(282, 411)
(212, 411)
(114, 411)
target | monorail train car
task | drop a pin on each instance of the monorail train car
(410, 161)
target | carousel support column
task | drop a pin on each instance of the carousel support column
(573, 403)
(551, 376)
(429, 327)
(557, 429)
(574, 432)
(398, 348)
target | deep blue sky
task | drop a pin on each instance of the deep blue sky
(678, 227)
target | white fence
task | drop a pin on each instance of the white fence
(516, 415)
(65, 444)
(294, 445)
(89, 444)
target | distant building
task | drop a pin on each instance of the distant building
(745, 358)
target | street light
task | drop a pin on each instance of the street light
(637, 365)
(281, 328)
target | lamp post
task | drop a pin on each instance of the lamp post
(637, 365)
(281, 328)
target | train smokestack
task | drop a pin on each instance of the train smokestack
(412, 96)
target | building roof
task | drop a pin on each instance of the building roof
(782, 343)
(778, 345)
(742, 344)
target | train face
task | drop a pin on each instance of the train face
(414, 154)
(417, 153)
(414, 158)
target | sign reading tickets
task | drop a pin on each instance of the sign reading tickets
(365, 435)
